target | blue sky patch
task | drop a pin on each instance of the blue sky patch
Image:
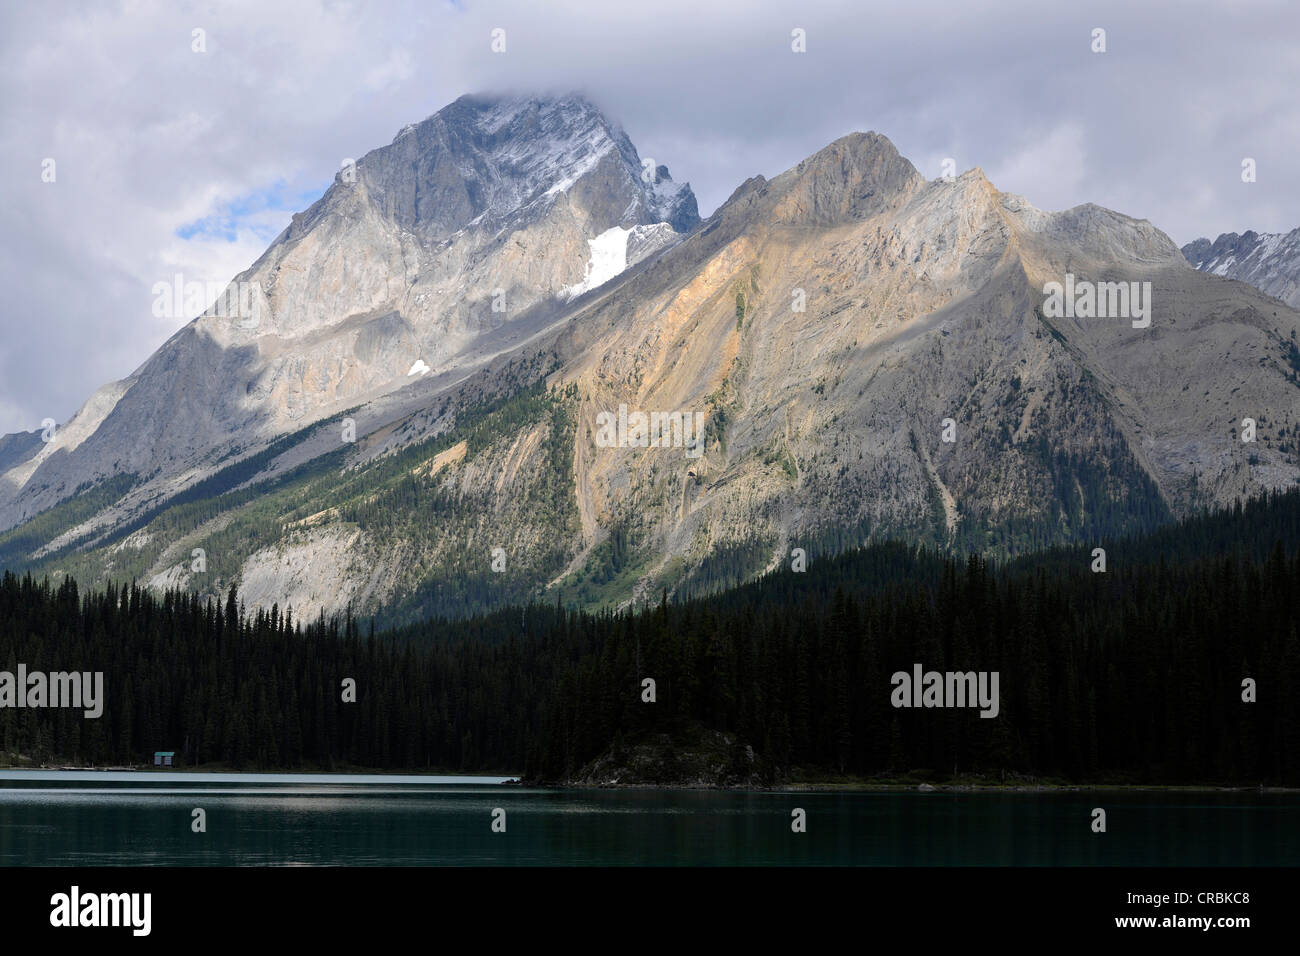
(254, 212)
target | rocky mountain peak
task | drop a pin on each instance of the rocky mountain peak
(429, 253)
(488, 159)
(1270, 261)
(854, 178)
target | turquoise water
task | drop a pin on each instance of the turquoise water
(92, 819)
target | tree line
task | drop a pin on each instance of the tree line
(1134, 674)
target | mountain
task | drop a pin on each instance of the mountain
(924, 302)
(434, 252)
(1269, 261)
(870, 355)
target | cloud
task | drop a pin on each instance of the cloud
(168, 159)
(391, 72)
(1050, 168)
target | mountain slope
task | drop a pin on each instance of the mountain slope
(434, 252)
(833, 327)
(924, 303)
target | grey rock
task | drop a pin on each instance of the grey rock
(1268, 261)
(825, 322)
(435, 249)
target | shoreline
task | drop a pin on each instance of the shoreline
(795, 786)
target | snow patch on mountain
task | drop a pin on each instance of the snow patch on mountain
(617, 248)
(608, 259)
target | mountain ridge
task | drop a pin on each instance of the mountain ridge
(832, 325)
(1269, 261)
(355, 297)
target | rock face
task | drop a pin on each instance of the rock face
(699, 758)
(834, 321)
(1269, 261)
(870, 353)
(436, 249)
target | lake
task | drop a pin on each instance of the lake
(100, 818)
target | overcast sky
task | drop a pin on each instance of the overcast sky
(173, 161)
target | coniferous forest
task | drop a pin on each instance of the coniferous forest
(1130, 675)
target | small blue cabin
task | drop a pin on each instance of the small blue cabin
(163, 758)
